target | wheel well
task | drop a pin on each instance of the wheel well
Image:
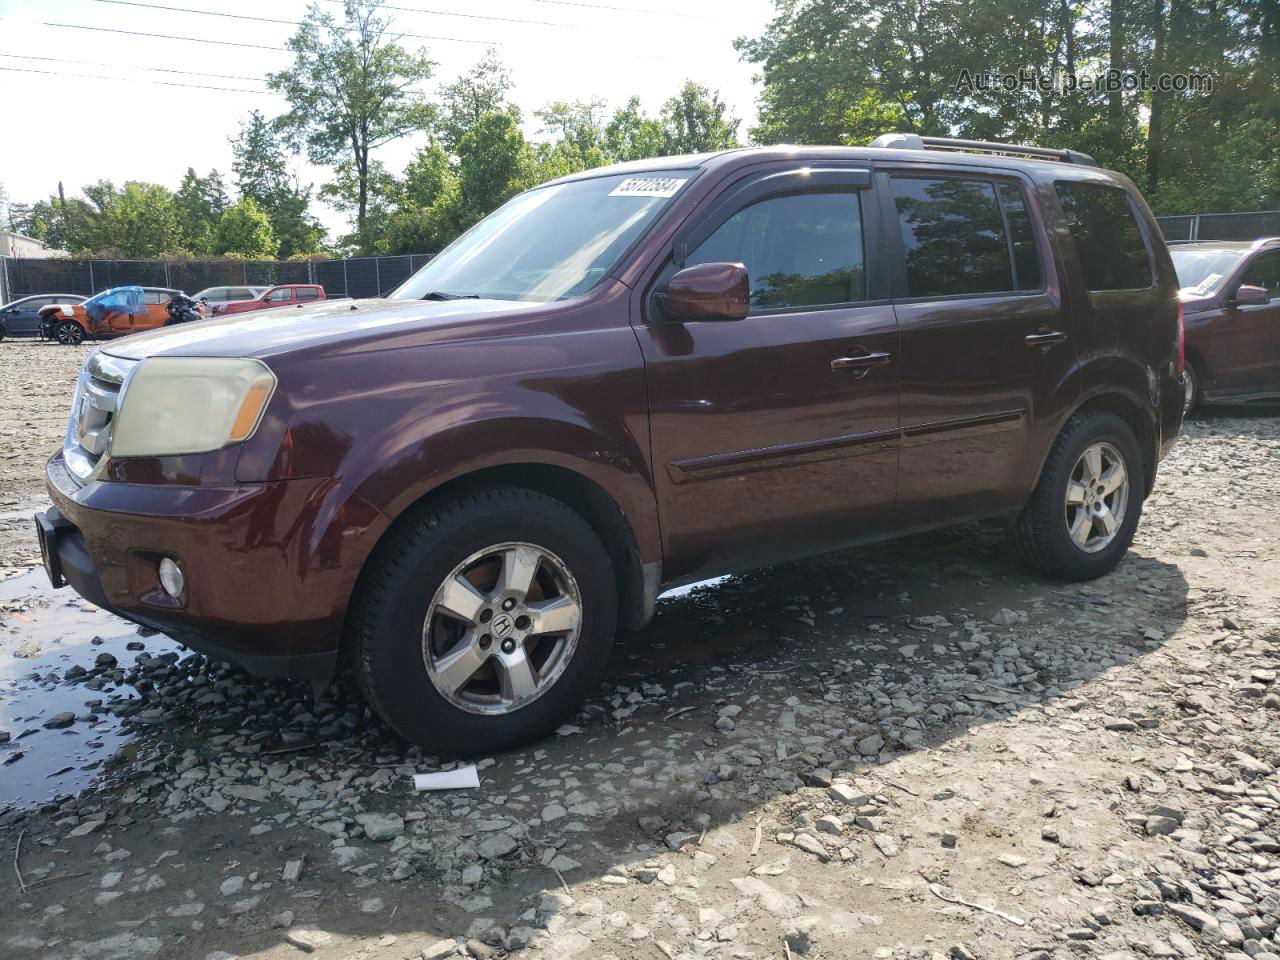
(572, 489)
(1129, 412)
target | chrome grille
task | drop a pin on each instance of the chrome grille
(99, 390)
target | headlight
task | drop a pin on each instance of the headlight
(175, 405)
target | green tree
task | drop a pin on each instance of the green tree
(142, 221)
(261, 171)
(382, 194)
(200, 202)
(352, 89)
(631, 135)
(493, 162)
(481, 90)
(244, 230)
(696, 120)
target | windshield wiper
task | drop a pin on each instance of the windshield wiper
(441, 295)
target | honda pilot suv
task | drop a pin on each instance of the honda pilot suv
(627, 379)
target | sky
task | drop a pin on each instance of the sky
(81, 104)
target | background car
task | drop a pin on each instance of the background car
(283, 295)
(214, 297)
(1230, 294)
(21, 318)
(113, 313)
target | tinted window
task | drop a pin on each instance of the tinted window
(1022, 238)
(241, 293)
(953, 232)
(279, 296)
(154, 297)
(1264, 272)
(308, 293)
(800, 251)
(1108, 242)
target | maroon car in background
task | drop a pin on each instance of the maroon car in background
(281, 295)
(624, 380)
(1231, 304)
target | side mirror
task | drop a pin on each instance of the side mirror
(1248, 295)
(709, 291)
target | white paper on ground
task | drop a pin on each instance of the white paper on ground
(464, 778)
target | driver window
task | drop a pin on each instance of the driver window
(802, 250)
(1264, 272)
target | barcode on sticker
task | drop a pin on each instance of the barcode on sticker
(648, 187)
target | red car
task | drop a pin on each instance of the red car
(284, 295)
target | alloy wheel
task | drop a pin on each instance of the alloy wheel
(1189, 388)
(1097, 497)
(502, 628)
(70, 334)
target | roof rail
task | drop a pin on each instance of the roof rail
(1263, 241)
(911, 141)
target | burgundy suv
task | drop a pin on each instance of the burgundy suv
(627, 379)
(1231, 299)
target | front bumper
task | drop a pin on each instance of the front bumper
(269, 567)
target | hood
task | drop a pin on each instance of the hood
(1193, 301)
(268, 333)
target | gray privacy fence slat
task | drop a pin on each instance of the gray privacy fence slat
(352, 277)
(1221, 226)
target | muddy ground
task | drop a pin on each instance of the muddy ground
(913, 750)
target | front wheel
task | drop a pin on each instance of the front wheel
(70, 333)
(1083, 513)
(1191, 389)
(485, 621)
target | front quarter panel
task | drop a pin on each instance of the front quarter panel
(394, 421)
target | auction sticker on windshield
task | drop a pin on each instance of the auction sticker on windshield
(648, 187)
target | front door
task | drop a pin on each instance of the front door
(1251, 333)
(777, 435)
(986, 343)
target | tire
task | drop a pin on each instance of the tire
(404, 639)
(1043, 533)
(1191, 381)
(3, 332)
(69, 333)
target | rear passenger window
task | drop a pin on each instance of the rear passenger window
(803, 250)
(308, 293)
(1108, 242)
(962, 237)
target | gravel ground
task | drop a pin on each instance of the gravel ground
(914, 750)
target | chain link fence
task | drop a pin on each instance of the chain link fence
(351, 277)
(1221, 226)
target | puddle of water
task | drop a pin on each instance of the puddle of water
(688, 588)
(38, 764)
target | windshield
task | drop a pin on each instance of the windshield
(1201, 271)
(549, 243)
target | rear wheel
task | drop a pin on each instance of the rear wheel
(70, 333)
(485, 622)
(1083, 513)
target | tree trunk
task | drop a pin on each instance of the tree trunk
(1115, 100)
(1155, 123)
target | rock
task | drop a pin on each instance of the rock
(1192, 916)
(28, 651)
(553, 811)
(831, 825)
(59, 721)
(885, 845)
(381, 827)
(497, 845)
(231, 886)
(811, 844)
(442, 948)
(1160, 826)
(949, 841)
(292, 871)
(308, 939)
(844, 793)
(1118, 724)
(1004, 617)
(870, 746)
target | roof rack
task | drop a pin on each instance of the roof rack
(1263, 241)
(912, 141)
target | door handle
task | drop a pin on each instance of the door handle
(1044, 338)
(861, 362)
(860, 365)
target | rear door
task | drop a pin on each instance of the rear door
(987, 347)
(280, 297)
(776, 435)
(25, 320)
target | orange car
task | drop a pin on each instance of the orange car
(113, 313)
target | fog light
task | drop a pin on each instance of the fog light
(171, 578)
